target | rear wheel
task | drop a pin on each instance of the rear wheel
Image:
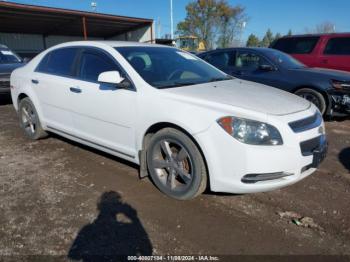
(314, 97)
(29, 120)
(176, 165)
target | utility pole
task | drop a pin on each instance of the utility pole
(242, 27)
(159, 28)
(171, 20)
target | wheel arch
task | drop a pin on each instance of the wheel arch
(321, 91)
(20, 97)
(154, 128)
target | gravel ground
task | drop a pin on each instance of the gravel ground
(63, 199)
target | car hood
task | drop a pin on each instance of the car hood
(6, 69)
(324, 73)
(245, 94)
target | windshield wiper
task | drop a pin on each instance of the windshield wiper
(178, 84)
(216, 79)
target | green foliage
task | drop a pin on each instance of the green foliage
(277, 36)
(212, 20)
(267, 39)
(253, 41)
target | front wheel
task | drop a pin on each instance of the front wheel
(176, 165)
(314, 97)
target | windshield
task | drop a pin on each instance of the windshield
(8, 57)
(283, 60)
(164, 67)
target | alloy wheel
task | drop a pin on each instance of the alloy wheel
(29, 119)
(173, 165)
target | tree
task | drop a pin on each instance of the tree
(252, 41)
(325, 27)
(322, 28)
(211, 20)
(289, 32)
(277, 36)
(230, 24)
(267, 39)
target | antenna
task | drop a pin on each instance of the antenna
(93, 6)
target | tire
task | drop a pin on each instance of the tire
(315, 97)
(29, 120)
(176, 165)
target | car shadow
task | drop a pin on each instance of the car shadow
(344, 158)
(338, 118)
(5, 99)
(115, 234)
(94, 151)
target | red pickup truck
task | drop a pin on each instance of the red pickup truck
(323, 50)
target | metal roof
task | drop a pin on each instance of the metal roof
(30, 19)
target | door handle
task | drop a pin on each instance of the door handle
(325, 61)
(75, 90)
(35, 81)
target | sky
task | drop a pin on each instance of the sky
(278, 15)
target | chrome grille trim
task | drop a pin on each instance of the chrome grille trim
(306, 123)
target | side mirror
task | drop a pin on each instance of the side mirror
(25, 60)
(110, 77)
(267, 68)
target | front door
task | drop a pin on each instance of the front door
(104, 114)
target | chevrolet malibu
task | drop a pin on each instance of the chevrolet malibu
(187, 124)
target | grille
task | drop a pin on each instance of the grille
(309, 146)
(4, 84)
(306, 123)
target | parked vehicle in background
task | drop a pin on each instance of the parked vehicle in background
(324, 50)
(328, 89)
(9, 61)
(190, 43)
(189, 124)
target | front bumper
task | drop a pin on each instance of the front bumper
(231, 162)
(340, 102)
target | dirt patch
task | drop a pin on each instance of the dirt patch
(51, 193)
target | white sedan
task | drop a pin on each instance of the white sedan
(187, 124)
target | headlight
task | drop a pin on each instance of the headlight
(340, 85)
(250, 131)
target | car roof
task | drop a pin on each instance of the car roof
(317, 35)
(259, 49)
(110, 43)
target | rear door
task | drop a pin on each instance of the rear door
(51, 82)
(305, 49)
(336, 53)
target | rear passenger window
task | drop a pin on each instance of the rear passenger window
(296, 45)
(59, 62)
(338, 46)
(221, 59)
(92, 64)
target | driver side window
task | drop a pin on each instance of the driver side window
(248, 61)
(93, 63)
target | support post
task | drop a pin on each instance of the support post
(84, 28)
